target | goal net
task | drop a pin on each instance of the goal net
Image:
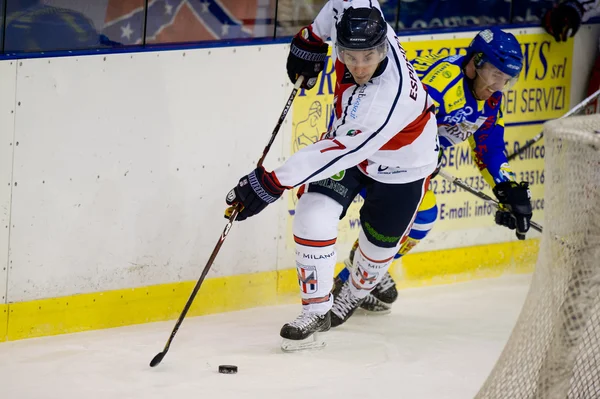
(554, 349)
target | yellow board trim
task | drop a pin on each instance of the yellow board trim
(222, 294)
(3, 322)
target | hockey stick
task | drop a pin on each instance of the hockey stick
(234, 213)
(480, 194)
(537, 138)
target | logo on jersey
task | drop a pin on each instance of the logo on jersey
(353, 132)
(460, 91)
(307, 278)
(360, 95)
(338, 176)
(386, 170)
(459, 116)
(459, 132)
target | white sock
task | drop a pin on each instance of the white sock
(370, 264)
(315, 232)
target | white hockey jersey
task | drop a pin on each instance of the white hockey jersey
(387, 127)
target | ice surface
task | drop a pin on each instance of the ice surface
(439, 342)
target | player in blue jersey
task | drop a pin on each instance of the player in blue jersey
(467, 91)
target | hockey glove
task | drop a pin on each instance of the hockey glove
(563, 20)
(515, 206)
(253, 192)
(306, 58)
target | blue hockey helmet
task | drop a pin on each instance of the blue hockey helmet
(498, 48)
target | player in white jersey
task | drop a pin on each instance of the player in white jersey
(383, 139)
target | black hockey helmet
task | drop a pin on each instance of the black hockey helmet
(361, 29)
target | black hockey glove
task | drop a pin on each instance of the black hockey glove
(306, 58)
(515, 206)
(254, 192)
(563, 20)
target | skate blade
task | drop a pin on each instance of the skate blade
(376, 307)
(310, 343)
(378, 312)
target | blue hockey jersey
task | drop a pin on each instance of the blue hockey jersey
(460, 117)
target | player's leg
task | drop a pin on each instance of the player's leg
(385, 293)
(385, 222)
(315, 231)
(380, 300)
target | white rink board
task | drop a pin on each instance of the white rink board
(129, 189)
(7, 108)
(124, 161)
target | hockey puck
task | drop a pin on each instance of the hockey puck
(228, 369)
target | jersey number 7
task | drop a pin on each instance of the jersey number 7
(338, 146)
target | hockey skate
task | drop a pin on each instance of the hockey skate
(380, 300)
(344, 303)
(304, 332)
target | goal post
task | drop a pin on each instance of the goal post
(554, 349)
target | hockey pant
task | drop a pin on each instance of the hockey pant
(386, 216)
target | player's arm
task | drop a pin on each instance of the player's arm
(329, 156)
(376, 123)
(314, 162)
(487, 145)
(515, 199)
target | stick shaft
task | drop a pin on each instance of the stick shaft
(226, 230)
(287, 107)
(190, 300)
(480, 194)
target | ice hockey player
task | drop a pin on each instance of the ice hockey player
(467, 91)
(563, 21)
(383, 139)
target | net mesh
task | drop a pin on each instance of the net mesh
(554, 349)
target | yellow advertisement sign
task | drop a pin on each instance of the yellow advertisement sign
(541, 93)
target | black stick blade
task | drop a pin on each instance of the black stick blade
(157, 359)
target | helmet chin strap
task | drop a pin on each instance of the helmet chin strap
(471, 84)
